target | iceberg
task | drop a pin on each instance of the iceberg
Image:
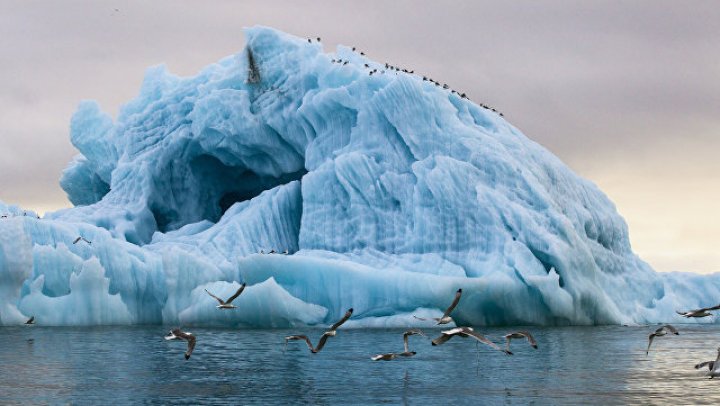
(388, 192)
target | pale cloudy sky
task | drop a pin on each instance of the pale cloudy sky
(626, 93)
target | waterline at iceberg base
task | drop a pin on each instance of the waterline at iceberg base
(389, 193)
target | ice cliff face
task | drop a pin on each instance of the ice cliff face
(389, 193)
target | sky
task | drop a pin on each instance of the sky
(626, 93)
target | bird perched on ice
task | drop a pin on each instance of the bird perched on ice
(659, 333)
(227, 304)
(77, 240)
(519, 334)
(704, 312)
(445, 319)
(407, 353)
(331, 332)
(187, 336)
(466, 332)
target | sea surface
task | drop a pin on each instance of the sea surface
(135, 365)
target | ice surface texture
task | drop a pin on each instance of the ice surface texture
(389, 192)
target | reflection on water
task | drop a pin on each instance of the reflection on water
(135, 364)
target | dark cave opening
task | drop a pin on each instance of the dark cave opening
(207, 188)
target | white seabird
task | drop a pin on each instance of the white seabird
(331, 332)
(704, 312)
(659, 333)
(445, 319)
(466, 332)
(314, 350)
(177, 334)
(519, 334)
(227, 304)
(712, 366)
(407, 353)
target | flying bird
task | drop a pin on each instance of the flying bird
(177, 334)
(171, 335)
(385, 357)
(340, 322)
(445, 319)
(466, 332)
(30, 321)
(227, 304)
(77, 240)
(520, 334)
(314, 350)
(405, 340)
(712, 365)
(659, 333)
(407, 353)
(704, 312)
(331, 332)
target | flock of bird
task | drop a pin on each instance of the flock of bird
(178, 334)
(286, 252)
(713, 366)
(396, 70)
(460, 331)
(25, 214)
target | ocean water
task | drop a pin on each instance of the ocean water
(135, 365)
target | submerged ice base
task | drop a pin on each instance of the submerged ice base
(389, 193)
